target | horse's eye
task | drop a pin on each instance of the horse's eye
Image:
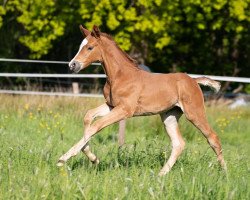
(90, 48)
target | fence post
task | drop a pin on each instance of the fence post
(75, 87)
(121, 134)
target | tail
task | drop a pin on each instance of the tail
(215, 85)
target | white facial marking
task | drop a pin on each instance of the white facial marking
(84, 42)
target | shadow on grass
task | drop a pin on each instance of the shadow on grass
(126, 157)
(149, 156)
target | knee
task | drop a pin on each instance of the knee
(212, 136)
(193, 119)
(87, 118)
(213, 139)
(90, 131)
(182, 144)
(178, 144)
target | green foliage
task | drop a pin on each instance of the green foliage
(2, 12)
(185, 34)
(41, 24)
(247, 88)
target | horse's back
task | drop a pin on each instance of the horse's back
(165, 82)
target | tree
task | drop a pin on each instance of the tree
(193, 36)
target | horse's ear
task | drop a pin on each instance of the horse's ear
(96, 32)
(85, 32)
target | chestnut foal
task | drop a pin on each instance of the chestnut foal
(130, 91)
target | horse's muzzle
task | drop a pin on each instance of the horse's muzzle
(75, 66)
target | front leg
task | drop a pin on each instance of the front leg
(90, 116)
(100, 111)
(116, 114)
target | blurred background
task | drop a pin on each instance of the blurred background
(192, 36)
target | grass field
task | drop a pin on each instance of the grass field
(36, 131)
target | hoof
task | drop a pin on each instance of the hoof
(96, 161)
(162, 173)
(60, 163)
(224, 168)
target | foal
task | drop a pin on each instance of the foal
(130, 91)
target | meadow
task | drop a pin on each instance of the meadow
(36, 130)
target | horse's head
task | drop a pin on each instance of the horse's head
(89, 50)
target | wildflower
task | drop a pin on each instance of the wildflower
(31, 115)
(41, 125)
(56, 115)
(63, 172)
(26, 106)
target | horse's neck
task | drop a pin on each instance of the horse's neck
(116, 64)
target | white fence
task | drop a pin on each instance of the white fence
(37, 61)
(30, 75)
(218, 78)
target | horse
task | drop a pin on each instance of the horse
(130, 91)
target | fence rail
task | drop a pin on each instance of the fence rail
(37, 61)
(36, 75)
(50, 93)
(223, 78)
(28, 75)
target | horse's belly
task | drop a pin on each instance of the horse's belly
(155, 106)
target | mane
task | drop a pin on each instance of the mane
(124, 53)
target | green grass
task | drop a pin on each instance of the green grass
(36, 131)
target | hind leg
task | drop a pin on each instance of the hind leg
(196, 115)
(170, 120)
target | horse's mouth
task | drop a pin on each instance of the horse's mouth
(75, 71)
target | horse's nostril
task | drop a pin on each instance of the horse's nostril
(72, 66)
(75, 66)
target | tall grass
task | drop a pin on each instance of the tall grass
(35, 131)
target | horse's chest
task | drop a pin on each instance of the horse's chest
(110, 95)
